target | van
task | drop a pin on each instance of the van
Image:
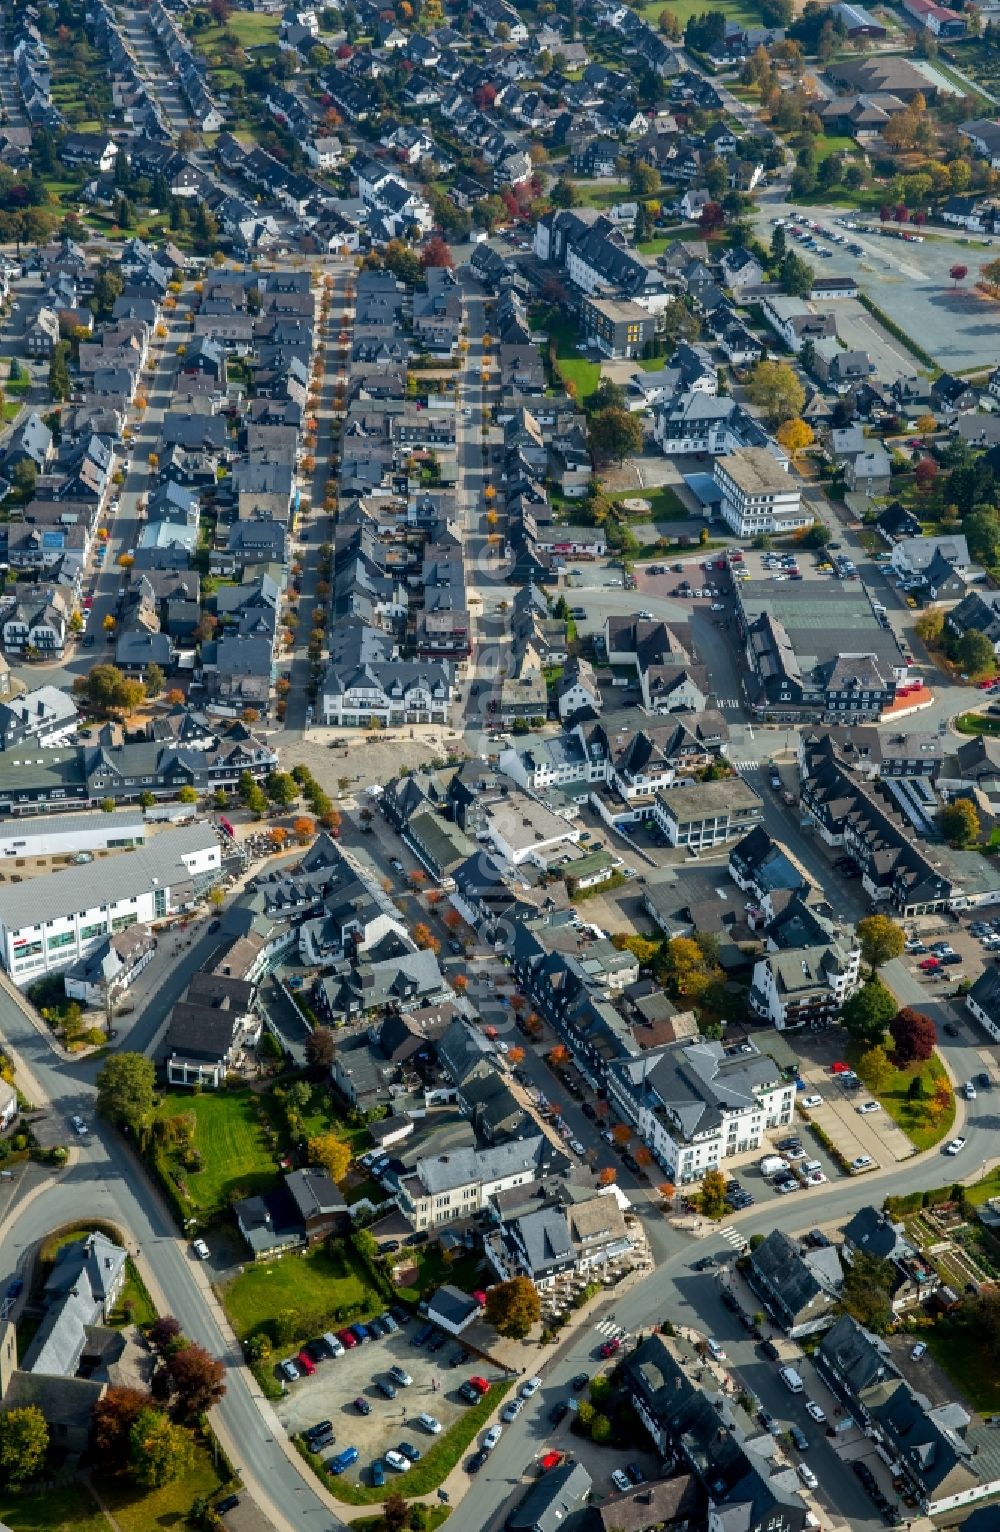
(808, 1167)
(772, 1165)
(791, 1380)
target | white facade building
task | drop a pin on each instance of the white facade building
(694, 1105)
(758, 494)
(73, 834)
(51, 921)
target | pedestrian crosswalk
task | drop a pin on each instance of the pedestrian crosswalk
(732, 1237)
(733, 702)
(742, 766)
(612, 1331)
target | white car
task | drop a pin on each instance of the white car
(491, 1438)
(815, 1178)
(807, 1476)
(862, 1162)
(869, 1106)
(715, 1349)
(200, 1249)
(288, 1369)
(918, 1351)
(397, 1461)
(511, 1410)
(620, 1479)
(718, 606)
(577, 1147)
(955, 1147)
(429, 1424)
(79, 1127)
(811, 1101)
(815, 1410)
(530, 1387)
(646, 616)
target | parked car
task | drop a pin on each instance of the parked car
(492, 1436)
(362, 1406)
(429, 1424)
(289, 1370)
(398, 1461)
(620, 1479)
(343, 1460)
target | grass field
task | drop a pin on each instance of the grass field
(960, 1352)
(317, 1286)
(602, 193)
(166, 1507)
(572, 367)
(71, 1509)
(664, 504)
(134, 1305)
(734, 10)
(913, 1116)
(434, 1271)
(977, 723)
(235, 1154)
(250, 29)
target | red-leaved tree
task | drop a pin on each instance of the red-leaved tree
(913, 1035)
(958, 273)
(197, 1380)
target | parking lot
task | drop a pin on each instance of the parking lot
(854, 1133)
(907, 279)
(329, 1394)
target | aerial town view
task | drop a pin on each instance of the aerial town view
(499, 765)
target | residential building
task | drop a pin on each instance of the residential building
(707, 813)
(695, 1105)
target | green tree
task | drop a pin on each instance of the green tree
(281, 788)
(868, 1283)
(869, 1011)
(959, 822)
(614, 434)
(125, 1088)
(775, 388)
(160, 1451)
(60, 386)
(875, 1068)
(564, 193)
(881, 940)
(974, 652)
(644, 179)
(24, 1441)
(187, 794)
(795, 275)
(25, 477)
(513, 1307)
(155, 680)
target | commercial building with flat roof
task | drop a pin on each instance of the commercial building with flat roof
(51, 921)
(708, 813)
(758, 494)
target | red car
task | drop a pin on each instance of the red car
(929, 964)
(347, 1339)
(305, 1361)
(550, 1460)
(480, 1385)
(610, 1347)
(840, 1068)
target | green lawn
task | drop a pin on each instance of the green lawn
(572, 367)
(236, 1157)
(835, 143)
(134, 1305)
(166, 1507)
(734, 10)
(664, 503)
(319, 1287)
(977, 723)
(912, 1116)
(960, 1352)
(602, 193)
(72, 1509)
(250, 29)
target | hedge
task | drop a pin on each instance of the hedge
(898, 332)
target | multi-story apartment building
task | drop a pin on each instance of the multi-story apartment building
(697, 1104)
